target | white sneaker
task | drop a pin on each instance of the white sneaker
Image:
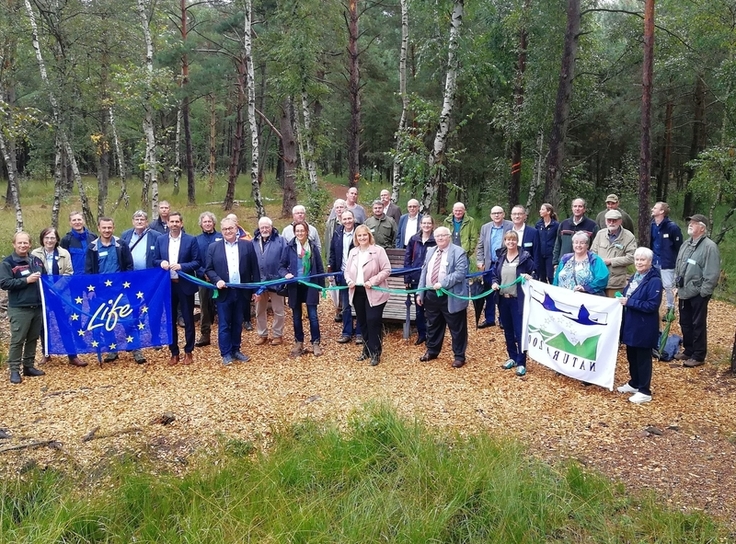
(640, 398)
(626, 388)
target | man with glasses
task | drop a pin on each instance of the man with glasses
(445, 267)
(489, 242)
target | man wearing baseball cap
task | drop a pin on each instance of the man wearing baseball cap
(612, 203)
(697, 270)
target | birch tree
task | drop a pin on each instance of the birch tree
(439, 149)
(58, 124)
(12, 173)
(251, 89)
(149, 192)
(396, 185)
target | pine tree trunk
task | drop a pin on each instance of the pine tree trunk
(645, 161)
(437, 156)
(516, 148)
(561, 120)
(289, 158)
(353, 93)
(237, 137)
(697, 142)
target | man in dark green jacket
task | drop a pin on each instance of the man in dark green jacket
(19, 275)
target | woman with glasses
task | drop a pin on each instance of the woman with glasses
(58, 262)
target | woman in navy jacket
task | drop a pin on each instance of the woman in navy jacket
(416, 250)
(301, 259)
(512, 262)
(640, 329)
(547, 228)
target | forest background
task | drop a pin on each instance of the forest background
(483, 102)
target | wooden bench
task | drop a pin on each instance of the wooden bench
(395, 309)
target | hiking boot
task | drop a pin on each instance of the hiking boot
(297, 350)
(692, 363)
(15, 377)
(316, 349)
(138, 356)
(681, 356)
(33, 372)
(110, 357)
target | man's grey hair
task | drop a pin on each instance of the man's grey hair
(140, 213)
(298, 208)
(339, 202)
(441, 230)
(265, 221)
(207, 214)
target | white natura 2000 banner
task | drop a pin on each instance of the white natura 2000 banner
(574, 333)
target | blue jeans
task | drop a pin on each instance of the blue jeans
(313, 323)
(230, 321)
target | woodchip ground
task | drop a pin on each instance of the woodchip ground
(682, 445)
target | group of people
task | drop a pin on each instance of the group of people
(577, 254)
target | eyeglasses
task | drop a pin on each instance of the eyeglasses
(441, 235)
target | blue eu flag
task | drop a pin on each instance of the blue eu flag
(97, 313)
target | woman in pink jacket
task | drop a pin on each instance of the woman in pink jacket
(368, 267)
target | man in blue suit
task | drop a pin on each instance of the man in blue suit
(231, 260)
(445, 267)
(177, 252)
(528, 236)
(408, 224)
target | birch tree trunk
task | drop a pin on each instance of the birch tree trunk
(437, 156)
(150, 172)
(177, 151)
(188, 152)
(404, 99)
(12, 181)
(553, 181)
(213, 150)
(251, 86)
(58, 181)
(57, 117)
(124, 197)
(309, 142)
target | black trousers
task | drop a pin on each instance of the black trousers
(693, 322)
(370, 321)
(438, 316)
(640, 368)
(179, 297)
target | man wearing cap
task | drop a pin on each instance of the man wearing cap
(578, 222)
(612, 203)
(615, 245)
(697, 270)
(666, 239)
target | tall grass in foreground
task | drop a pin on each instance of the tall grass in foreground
(381, 480)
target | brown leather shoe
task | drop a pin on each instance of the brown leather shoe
(188, 359)
(46, 359)
(76, 361)
(174, 360)
(277, 341)
(457, 364)
(261, 340)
